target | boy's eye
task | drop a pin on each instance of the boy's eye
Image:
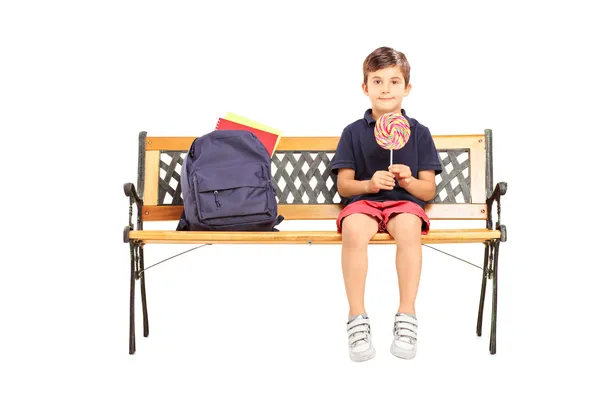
(377, 81)
(396, 82)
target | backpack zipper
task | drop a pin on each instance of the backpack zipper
(216, 192)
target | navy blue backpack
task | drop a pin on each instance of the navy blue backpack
(226, 184)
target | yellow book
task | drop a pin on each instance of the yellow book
(246, 121)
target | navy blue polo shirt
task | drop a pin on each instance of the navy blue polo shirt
(359, 151)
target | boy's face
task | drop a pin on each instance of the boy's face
(386, 89)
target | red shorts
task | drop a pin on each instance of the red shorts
(382, 211)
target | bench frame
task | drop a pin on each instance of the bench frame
(480, 207)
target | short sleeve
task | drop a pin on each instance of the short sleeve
(344, 154)
(429, 158)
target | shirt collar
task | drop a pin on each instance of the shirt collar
(371, 121)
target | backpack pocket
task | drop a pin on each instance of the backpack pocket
(231, 195)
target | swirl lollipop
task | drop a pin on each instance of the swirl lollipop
(392, 131)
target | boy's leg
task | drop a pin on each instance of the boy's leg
(357, 230)
(406, 230)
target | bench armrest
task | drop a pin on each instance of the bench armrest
(499, 191)
(130, 192)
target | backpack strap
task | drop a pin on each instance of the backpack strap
(183, 225)
(277, 222)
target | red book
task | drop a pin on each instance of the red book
(267, 138)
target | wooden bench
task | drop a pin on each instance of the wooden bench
(306, 191)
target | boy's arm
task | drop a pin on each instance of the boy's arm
(347, 186)
(422, 188)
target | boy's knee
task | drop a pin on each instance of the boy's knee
(406, 230)
(358, 229)
(354, 239)
(408, 241)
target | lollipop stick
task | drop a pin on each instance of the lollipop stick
(391, 156)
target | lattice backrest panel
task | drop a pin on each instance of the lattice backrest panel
(169, 181)
(304, 177)
(454, 182)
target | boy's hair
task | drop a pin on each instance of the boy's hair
(384, 57)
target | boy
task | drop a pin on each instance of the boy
(380, 197)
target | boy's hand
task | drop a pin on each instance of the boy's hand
(402, 173)
(381, 180)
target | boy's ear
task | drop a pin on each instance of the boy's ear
(365, 89)
(407, 89)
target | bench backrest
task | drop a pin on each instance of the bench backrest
(304, 183)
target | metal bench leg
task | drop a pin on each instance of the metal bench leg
(494, 298)
(143, 289)
(132, 250)
(483, 287)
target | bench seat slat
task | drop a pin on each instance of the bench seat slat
(302, 237)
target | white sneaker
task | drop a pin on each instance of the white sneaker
(404, 344)
(360, 347)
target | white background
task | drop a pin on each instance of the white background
(79, 80)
